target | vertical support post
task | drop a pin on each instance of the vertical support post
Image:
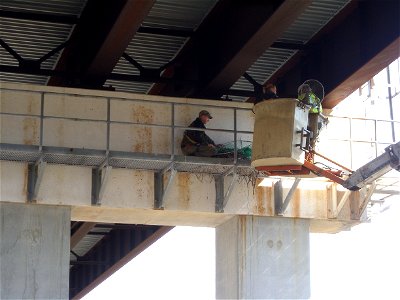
(172, 131)
(351, 142)
(99, 180)
(342, 202)
(390, 104)
(219, 193)
(41, 121)
(376, 138)
(235, 153)
(35, 175)
(96, 182)
(289, 196)
(158, 190)
(222, 196)
(355, 205)
(108, 128)
(367, 198)
(332, 201)
(263, 258)
(278, 196)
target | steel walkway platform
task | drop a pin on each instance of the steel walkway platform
(118, 159)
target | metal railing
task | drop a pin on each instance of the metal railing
(349, 134)
(174, 127)
(108, 152)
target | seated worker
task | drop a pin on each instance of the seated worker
(198, 143)
(306, 96)
(268, 92)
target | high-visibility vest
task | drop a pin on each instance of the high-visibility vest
(313, 100)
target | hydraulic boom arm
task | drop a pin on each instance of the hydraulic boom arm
(375, 168)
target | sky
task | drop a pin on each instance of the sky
(363, 263)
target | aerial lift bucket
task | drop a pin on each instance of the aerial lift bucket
(281, 142)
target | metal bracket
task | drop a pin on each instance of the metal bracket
(222, 196)
(280, 204)
(35, 176)
(99, 180)
(304, 134)
(342, 202)
(160, 189)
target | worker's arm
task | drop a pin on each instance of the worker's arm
(208, 140)
(194, 136)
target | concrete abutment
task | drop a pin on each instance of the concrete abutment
(34, 251)
(263, 258)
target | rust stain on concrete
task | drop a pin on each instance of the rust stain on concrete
(144, 140)
(60, 180)
(260, 201)
(60, 133)
(30, 108)
(269, 201)
(186, 113)
(183, 189)
(30, 131)
(25, 187)
(139, 195)
(296, 202)
(142, 115)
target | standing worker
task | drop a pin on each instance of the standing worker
(268, 92)
(306, 96)
(196, 142)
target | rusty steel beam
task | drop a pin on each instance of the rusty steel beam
(358, 43)
(230, 39)
(80, 233)
(116, 249)
(224, 76)
(363, 74)
(104, 30)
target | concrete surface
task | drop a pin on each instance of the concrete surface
(129, 198)
(129, 194)
(34, 251)
(275, 133)
(263, 258)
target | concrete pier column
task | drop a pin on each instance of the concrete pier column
(263, 258)
(34, 251)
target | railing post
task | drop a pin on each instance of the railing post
(41, 121)
(172, 131)
(235, 154)
(108, 127)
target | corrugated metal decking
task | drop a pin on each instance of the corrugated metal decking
(153, 50)
(317, 15)
(33, 39)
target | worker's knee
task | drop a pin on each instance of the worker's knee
(189, 149)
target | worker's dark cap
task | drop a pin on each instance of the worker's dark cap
(205, 113)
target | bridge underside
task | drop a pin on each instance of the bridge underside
(338, 42)
(111, 165)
